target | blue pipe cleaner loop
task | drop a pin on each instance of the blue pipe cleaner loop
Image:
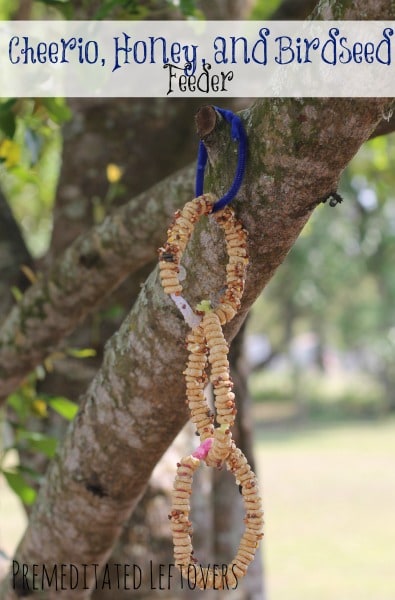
(238, 135)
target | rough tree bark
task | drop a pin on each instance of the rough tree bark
(298, 149)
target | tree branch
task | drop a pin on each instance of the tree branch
(386, 126)
(88, 270)
(134, 406)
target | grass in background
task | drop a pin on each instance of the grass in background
(329, 496)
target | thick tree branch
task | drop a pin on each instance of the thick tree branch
(134, 406)
(89, 269)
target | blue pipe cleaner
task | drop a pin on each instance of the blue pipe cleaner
(238, 134)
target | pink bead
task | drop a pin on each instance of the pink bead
(204, 448)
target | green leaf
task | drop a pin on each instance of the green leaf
(121, 10)
(25, 175)
(263, 9)
(31, 473)
(81, 352)
(188, 7)
(64, 407)
(18, 402)
(7, 105)
(204, 306)
(64, 7)
(40, 442)
(7, 123)
(105, 9)
(18, 484)
(57, 109)
(114, 312)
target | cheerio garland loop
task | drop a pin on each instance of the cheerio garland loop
(207, 347)
(207, 577)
